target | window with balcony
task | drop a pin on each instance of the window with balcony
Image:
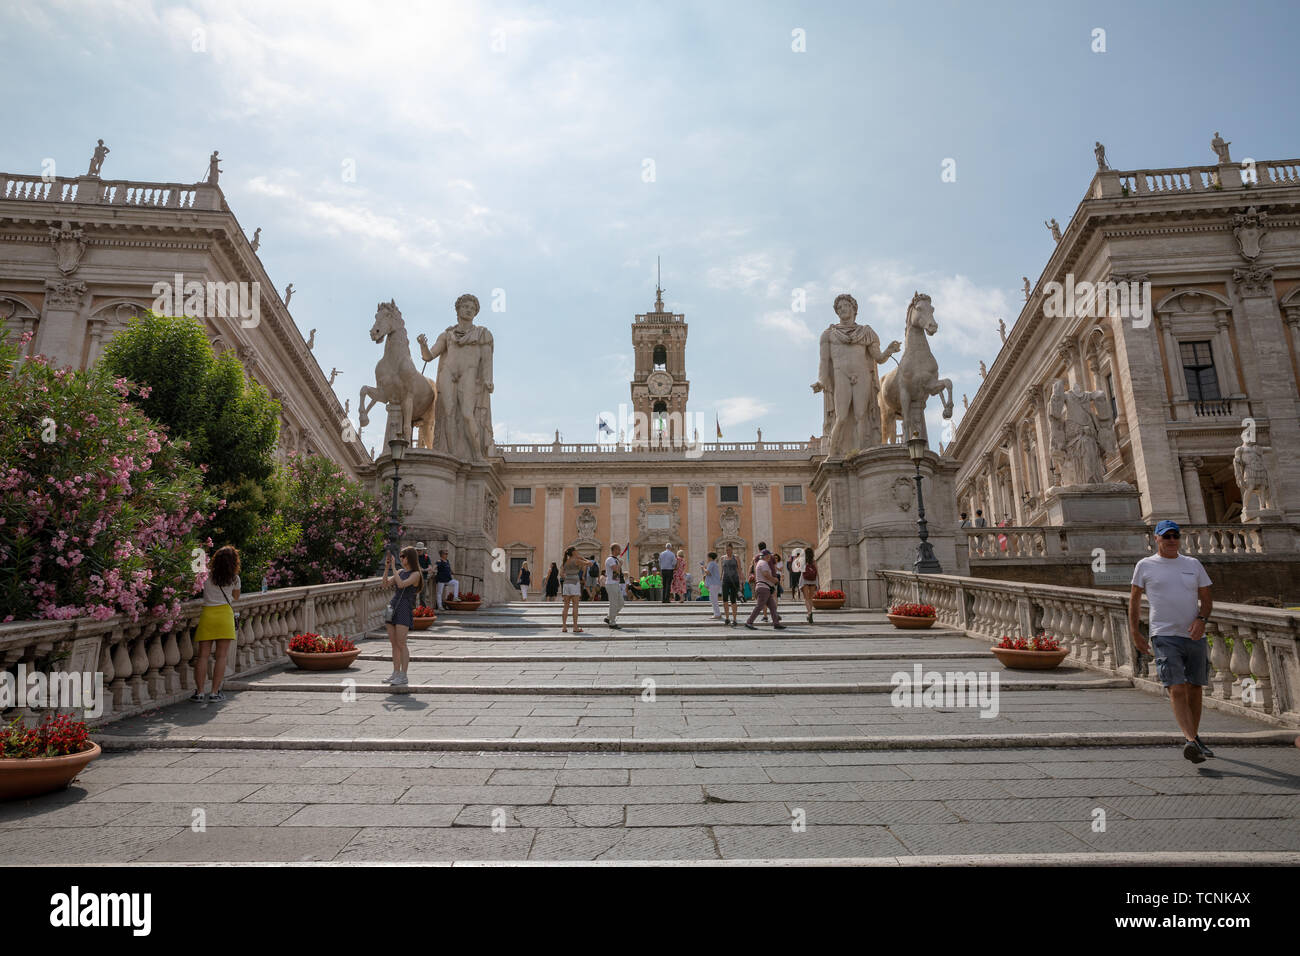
(1198, 371)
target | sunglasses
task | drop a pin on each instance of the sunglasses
(1171, 534)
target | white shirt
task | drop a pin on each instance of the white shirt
(1171, 586)
(611, 567)
(213, 595)
(667, 561)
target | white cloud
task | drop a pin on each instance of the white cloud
(792, 328)
(740, 409)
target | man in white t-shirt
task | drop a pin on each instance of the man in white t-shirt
(613, 589)
(1178, 591)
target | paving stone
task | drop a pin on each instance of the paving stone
(980, 838)
(647, 843)
(692, 775)
(66, 808)
(707, 814)
(1127, 836)
(1028, 811)
(629, 795)
(496, 796)
(265, 774)
(421, 776)
(1235, 807)
(836, 774)
(214, 814)
(326, 793)
(425, 845)
(31, 846)
(195, 794)
(875, 812)
(242, 844)
(374, 815)
(761, 843)
(543, 816)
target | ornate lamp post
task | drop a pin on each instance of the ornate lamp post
(926, 562)
(397, 449)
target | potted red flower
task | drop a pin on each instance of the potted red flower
(1037, 653)
(912, 616)
(468, 601)
(37, 760)
(423, 616)
(311, 652)
(828, 600)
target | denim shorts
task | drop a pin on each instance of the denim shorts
(1180, 660)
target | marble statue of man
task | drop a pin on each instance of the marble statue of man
(1075, 434)
(214, 169)
(1251, 471)
(463, 411)
(1025, 279)
(97, 160)
(1100, 152)
(257, 238)
(1054, 228)
(1220, 148)
(848, 376)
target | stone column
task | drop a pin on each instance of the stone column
(618, 515)
(990, 489)
(1039, 406)
(697, 541)
(61, 332)
(1229, 385)
(553, 547)
(1258, 323)
(760, 513)
(1176, 380)
(1192, 491)
(1017, 481)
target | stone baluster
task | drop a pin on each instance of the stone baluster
(1260, 671)
(106, 668)
(139, 668)
(1221, 681)
(171, 680)
(122, 693)
(1239, 662)
(154, 681)
(185, 646)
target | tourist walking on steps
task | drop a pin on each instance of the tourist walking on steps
(730, 586)
(216, 622)
(797, 559)
(667, 561)
(679, 577)
(407, 582)
(764, 592)
(809, 583)
(552, 582)
(753, 581)
(614, 587)
(1178, 591)
(574, 569)
(713, 581)
(525, 579)
(779, 570)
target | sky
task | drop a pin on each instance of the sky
(542, 155)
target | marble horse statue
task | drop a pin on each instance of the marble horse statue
(905, 389)
(396, 378)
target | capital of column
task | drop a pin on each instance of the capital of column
(618, 491)
(554, 491)
(1192, 465)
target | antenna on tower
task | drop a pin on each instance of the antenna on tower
(659, 292)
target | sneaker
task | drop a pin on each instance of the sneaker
(217, 698)
(606, 620)
(389, 678)
(1204, 749)
(809, 618)
(399, 680)
(1192, 752)
(198, 698)
(750, 626)
(778, 627)
(615, 627)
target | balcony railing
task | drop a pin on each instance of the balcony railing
(615, 449)
(90, 190)
(1254, 652)
(1008, 543)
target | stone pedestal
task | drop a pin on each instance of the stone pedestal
(866, 519)
(1114, 510)
(451, 504)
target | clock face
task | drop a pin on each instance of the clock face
(659, 383)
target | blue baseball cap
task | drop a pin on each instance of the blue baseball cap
(1166, 526)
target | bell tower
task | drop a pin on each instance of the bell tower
(659, 384)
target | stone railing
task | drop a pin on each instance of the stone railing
(1254, 651)
(145, 667)
(1114, 183)
(612, 449)
(1000, 544)
(91, 190)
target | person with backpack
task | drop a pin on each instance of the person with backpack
(809, 583)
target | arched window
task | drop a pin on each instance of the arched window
(660, 415)
(660, 358)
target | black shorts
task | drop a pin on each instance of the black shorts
(730, 592)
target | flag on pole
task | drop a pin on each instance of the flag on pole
(717, 424)
(605, 427)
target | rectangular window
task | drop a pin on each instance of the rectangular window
(792, 494)
(1198, 370)
(659, 495)
(586, 494)
(523, 496)
(729, 493)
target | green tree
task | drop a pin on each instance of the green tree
(230, 422)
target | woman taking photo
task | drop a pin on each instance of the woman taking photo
(808, 583)
(574, 568)
(407, 582)
(525, 579)
(552, 582)
(216, 622)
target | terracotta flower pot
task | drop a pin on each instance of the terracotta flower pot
(907, 622)
(32, 776)
(340, 660)
(462, 605)
(422, 623)
(1030, 660)
(828, 604)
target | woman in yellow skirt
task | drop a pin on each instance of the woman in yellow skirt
(216, 622)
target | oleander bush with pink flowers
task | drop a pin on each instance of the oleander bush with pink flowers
(332, 529)
(100, 513)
